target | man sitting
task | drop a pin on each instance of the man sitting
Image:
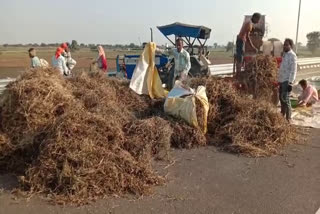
(309, 94)
(35, 61)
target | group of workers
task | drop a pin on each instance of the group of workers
(287, 76)
(63, 61)
(287, 72)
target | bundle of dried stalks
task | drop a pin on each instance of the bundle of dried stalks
(84, 138)
(260, 76)
(242, 125)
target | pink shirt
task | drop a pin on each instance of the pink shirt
(309, 95)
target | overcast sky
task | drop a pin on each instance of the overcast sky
(126, 21)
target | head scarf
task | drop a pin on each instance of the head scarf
(101, 51)
(64, 46)
(102, 55)
(59, 51)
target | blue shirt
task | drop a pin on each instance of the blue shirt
(35, 62)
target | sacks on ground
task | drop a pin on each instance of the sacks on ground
(185, 103)
(146, 79)
(44, 63)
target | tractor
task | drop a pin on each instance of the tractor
(194, 37)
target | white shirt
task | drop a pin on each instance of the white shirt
(288, 68)
(67, 55)
(60, 64)
(182, 62)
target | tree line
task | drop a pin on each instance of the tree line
(313, 44)
(74, 45)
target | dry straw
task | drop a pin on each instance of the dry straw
(84, 138)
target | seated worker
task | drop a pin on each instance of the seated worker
(309, 94)
(71, 63)
(35, 61)
(59, 62)
(242, 37)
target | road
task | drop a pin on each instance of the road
(208, 181)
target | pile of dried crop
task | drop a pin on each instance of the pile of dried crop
(242, 125)
(84, 138)
(87, 137)
(259, 78)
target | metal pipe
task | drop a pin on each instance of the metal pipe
(151, 34)
(297, 35)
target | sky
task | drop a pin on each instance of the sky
(129, 21)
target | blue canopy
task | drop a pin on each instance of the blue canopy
(185, 30)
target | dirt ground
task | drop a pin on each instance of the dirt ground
(208, 181)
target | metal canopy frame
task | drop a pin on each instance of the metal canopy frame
(188, 33)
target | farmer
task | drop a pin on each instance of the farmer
(59, 62)
(35, 61)
(101, 61)
(71, 63)
(287, 75)
(242, 37)
(309, 94)
(182, 63)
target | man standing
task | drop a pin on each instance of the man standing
(244, 36)
(35, 61)
(287, 75)
(309, 94)
(182, 63)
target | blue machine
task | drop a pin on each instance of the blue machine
(191, 34)
(195, 38)
(127, 63)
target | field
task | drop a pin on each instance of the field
(15, 59)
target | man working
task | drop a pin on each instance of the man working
(309, 94)
(35, 61)
(244, 36)
(287, 75)
(71, 63)
(182, 63)
(59, 62)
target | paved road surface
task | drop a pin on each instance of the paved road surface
(207, 181)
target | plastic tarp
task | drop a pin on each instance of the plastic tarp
(181, 103)
(44, 63)
(307, 116)
(145, 78)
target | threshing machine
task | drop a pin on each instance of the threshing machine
(273, 48)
